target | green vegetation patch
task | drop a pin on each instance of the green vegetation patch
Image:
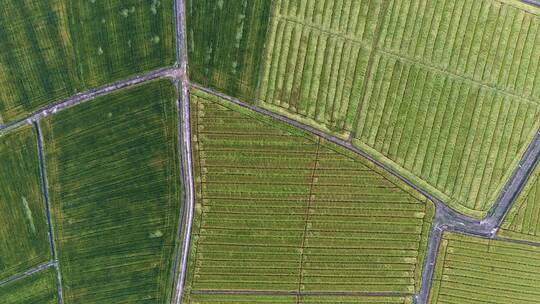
(24, 241)
(53, 49)
(226, 40)
(453, 106)
(39, 288)
(523, 219)
(118, 38)
(474, 270)
(316, 59)
(37, 63)
(115, 194)
(456, 138)
(282, 210)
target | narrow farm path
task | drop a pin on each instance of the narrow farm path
(28, 272)
(185, 147)
(45, 190)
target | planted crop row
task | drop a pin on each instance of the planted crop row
(115, 194)
(474, 270)
(53, 49)
(316, 59)
(24, 241)
(458, 139)
(292, 299)
(280, 210)
(523, 219)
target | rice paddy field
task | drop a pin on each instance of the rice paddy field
(115, 194)
(24, 241)
(53, 49)
(225, 45)
(37, 288)
(474, 270)
(441, 91)
(523, 219)
(281, 210)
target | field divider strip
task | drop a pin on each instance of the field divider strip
(303, 293)
(86, 96)
(306, 217)
(28, 273)
(183, 105)
(45, 190)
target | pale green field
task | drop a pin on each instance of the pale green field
(115, 194)
(523, 219)
(278, 209)
(24, 241)
(472, 270)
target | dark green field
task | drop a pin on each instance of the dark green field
(278, 209)
(118, 38)
(39, 288)
(115, 195)
(225, 43)
(23, 227)
(53, 49)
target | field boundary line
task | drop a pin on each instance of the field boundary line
(87, 96)
(306, 217)
(516, 241)
(28, 273)
(45, 190)
(303, 293)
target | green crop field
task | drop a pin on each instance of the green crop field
(453, 106)
(292, 299)
(523, 219)
(37, 62)
(225, 42)
(53, 49)
(23, 227)
(441, 91)
(115, 194)
(471, 270)
(39, 288)
(317, 58)
(281, 210)
(118, 38)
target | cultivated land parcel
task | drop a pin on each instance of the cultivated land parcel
(326, 181)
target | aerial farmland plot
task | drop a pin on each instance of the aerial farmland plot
(24, 242)
(319, 219)
(54, 49)
(270, 151)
